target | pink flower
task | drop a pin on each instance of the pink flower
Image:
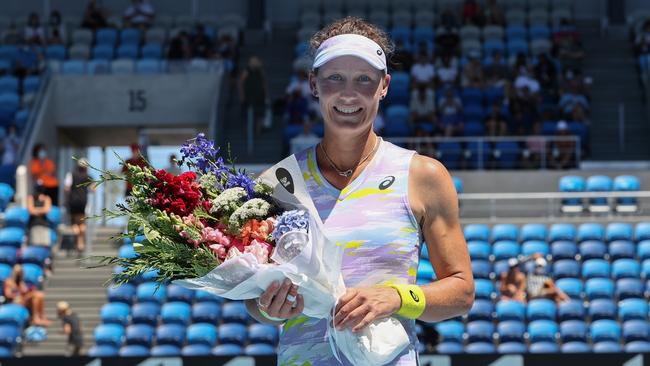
(219, 250)
(260, 250)
(233, 252)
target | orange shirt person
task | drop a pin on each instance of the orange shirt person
(43, 172)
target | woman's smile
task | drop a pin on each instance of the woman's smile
(348, 111)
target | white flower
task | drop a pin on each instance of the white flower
(229, 200)
(256, 208)
(233, 252)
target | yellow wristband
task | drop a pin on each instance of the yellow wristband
(413, 301)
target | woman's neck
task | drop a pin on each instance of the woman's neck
(346, 152)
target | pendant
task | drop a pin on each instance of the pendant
(346, 173)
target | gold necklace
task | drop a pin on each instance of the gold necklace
(347, 173)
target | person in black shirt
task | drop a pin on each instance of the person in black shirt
(71, 327)
(77, 198)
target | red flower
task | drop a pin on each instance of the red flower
(176, 194)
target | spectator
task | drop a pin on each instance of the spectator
(564, 151)
(567, 46)
(495, 123)
(10, 146)
(496, 72)
(422, 72)
(173, 167)
(472, 13)
(227, 50)
(473, 71)
(201, 43)
(546, 73)
(139, 14)
(423, 106)
(493, 13)
(253, 93)
(179, 47)
(447, 70)
(34, 33)
(571, 98)
(535, 148)
(39, 205)
(448, 40)
(513, 282)
(525, 80)
(451, 109)
(642, 39)
(77, 195)
(18, 292)
(94, 16)
(297, 109)
(71, 327)
(402, 58)
(299, 82)
(136, 159)
(540, 285)
(43, 172)
(304, 140)
(56, 33)
(521, 121)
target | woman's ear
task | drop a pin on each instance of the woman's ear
(386, 83)
(312, 84)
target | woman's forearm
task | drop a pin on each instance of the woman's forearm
(447, 298)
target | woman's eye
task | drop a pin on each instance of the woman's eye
(364, 78)
(335, 77)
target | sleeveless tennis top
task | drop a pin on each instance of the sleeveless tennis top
(372, 219)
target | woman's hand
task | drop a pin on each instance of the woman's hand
(279, 299)
(359, 307)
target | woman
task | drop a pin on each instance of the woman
(513, 282)
(253, 92)
(18, 292)
(379, 201)
(39, 205)
(43, 172)
(77, 199)
(34, 33)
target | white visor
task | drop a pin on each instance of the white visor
(350, 45)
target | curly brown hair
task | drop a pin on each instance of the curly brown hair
(352, 25)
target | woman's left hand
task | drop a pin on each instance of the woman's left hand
(359, 307)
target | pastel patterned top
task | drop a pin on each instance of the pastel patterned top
(372, 218)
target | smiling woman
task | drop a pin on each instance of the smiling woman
(377, 200)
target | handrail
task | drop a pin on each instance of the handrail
(29, 130)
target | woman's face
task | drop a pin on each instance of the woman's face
(349, 90)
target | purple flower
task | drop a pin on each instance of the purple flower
(293, 220)
(201, 153)
(241, 179)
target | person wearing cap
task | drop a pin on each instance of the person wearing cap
(77, 199)
(539, 285)
(563, 152)
(377, 200)
(71, 327)
(513, 282)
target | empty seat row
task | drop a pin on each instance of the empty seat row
(129, 66)
(168, 350)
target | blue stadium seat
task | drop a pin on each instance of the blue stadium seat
(134, 350)
(5, 271)
(172, 334)
(227, 350)
(494, 94)
(571, 183)
(263, 333)
(533, 232)
(544, 347)
(475, 129)
(474, 112)
(563, 249)
(481, 268)
(643, 250)
(505, 232)
(33, 274)
(96, 67)
(479, 249)
(449, 153)
(479, 331)
(208, 312)
(232, 333)
(566, 268)
(511, 348)
(423, 35)
(627, 288)
(35, 254)
(103, 52)
(602, 309)
(6, 195)
(571, 310)
(458, 184)
(450, 331)
(479, 232)
(491, 46)
(425, 270)
(152, 51)
(110, 334)
(103, 350)
(516, 32)
(54, 216)
(130, 36)
(571, 286)
(505, 249)
(599, 288)
(127, 51)
(511, 331)
(446, 348)
(140, 334)
(106, 36)
(630, 309)
(500, 267)
(145, 313)
(636, 330)
(605, 330)
(573, 330)
(594, 268)
(539, 31)
(151, 292)
(477, 154)
(165, 350)
(507, 154)
(510, 310)
(259, 349)
(9, 84)
(607, 347)
(645, 268)
(115, 313)
(483, 289)
(400, 84)
(592, 249)
(637, 347)
(626, 268)
(626, 183)
(148, 66)
(175, 312)
(16, 217)
(123, 293)
(591, 231)
(599, 183)
(642, 231)
(531, 247)
(471, 95)
(234, 312)
(542, 330)
(8, 255)
(73, 67)
(56, 52)
(618, 231)
(204, 296)
(539, 309)
(202, 333)
(10, 335)
(480, 348)
(619, 249)
(179, 293)
(196, 350)
(126, 251)
(575, 347)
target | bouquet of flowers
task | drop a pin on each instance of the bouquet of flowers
(216, 229)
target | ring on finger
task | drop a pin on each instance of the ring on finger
(260, 305)
(291, 298)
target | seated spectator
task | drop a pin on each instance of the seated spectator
(496, 72)
(56, 33)
(493, 13)
(402, 58)
(578, 115)
(472, 13)
(495, 123)
(473, 72)
(34, 33)
(423, 146)
(39, 205)
(447, 70)
(179, 47)
(94, 16)
(201, 43)
(297, 112)
(18, 292)
(305, 140)
(10, 146)
(139, 14)
(526, 80)
(451, 109)
(422, 72)
(564, 151)
(642, 39)
(546, 73)
(300, 82)
(567, 46)
(423, 105)
(570, 98)
(227, 50)
(540, 286)
(43, 172)
(535, 148)
(448, 40)
(512, 284)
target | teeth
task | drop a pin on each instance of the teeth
(348, 110)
